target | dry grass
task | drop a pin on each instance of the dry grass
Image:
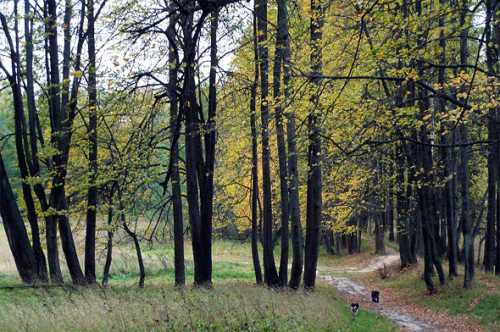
(234, 304)
(227, 307)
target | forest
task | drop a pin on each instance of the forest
(250, 165)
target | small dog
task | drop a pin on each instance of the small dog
(375, 296)
(354, 308)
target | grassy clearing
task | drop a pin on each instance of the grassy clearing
(227, 307)
(234, 304)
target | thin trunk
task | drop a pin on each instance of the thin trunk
(109, 245)
(138, 252)
(255, 172)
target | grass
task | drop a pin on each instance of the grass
(234, 303)
(227, 307)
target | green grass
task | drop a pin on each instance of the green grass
(234, 303)
(226, 307)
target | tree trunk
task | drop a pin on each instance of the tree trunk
(21, 140)
(314, 182)
(92, 136)
(389, 212)
(270, 273)
(464, 167)
(109, 246)
(180, 268)
(280, 138)
(138, 252)
(255, 173)
(491, 24)
(293, 185)
(379, 234)
(17, 236)
(60, 138)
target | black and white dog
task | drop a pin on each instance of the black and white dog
(375, 296)
(354, 308)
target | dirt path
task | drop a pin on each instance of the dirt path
(356, 292)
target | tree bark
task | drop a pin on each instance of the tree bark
(464, 167)
(61, 136)
(255, 172)
(109, 246)
(21, 141)
(17, 236)
(92, 136)
(314, 181)
(180, 268)
(280, 103)
(270, 273)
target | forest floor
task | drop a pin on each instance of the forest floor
(405, 301)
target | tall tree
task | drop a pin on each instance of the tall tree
(255, 167)
(173, 61)
(280, 138)
(13, 224)
(21, 140)
(464, 161)
(293, 176)
(270, 273)
(314, 181)
(92, 136)
(62, 109)
(492, 30)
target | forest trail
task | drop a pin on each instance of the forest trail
(356, 292)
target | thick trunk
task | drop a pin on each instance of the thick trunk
(492, 41)
(92, 136)
(464, 165)
(270, 273)
(60, 138)
(32, 160)
(21, 140)
(293, 173)
(280, 104)
(180, 268)
(495, 10)
(17, 236)
(199, 170)
(447, 155)
(314, 181)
